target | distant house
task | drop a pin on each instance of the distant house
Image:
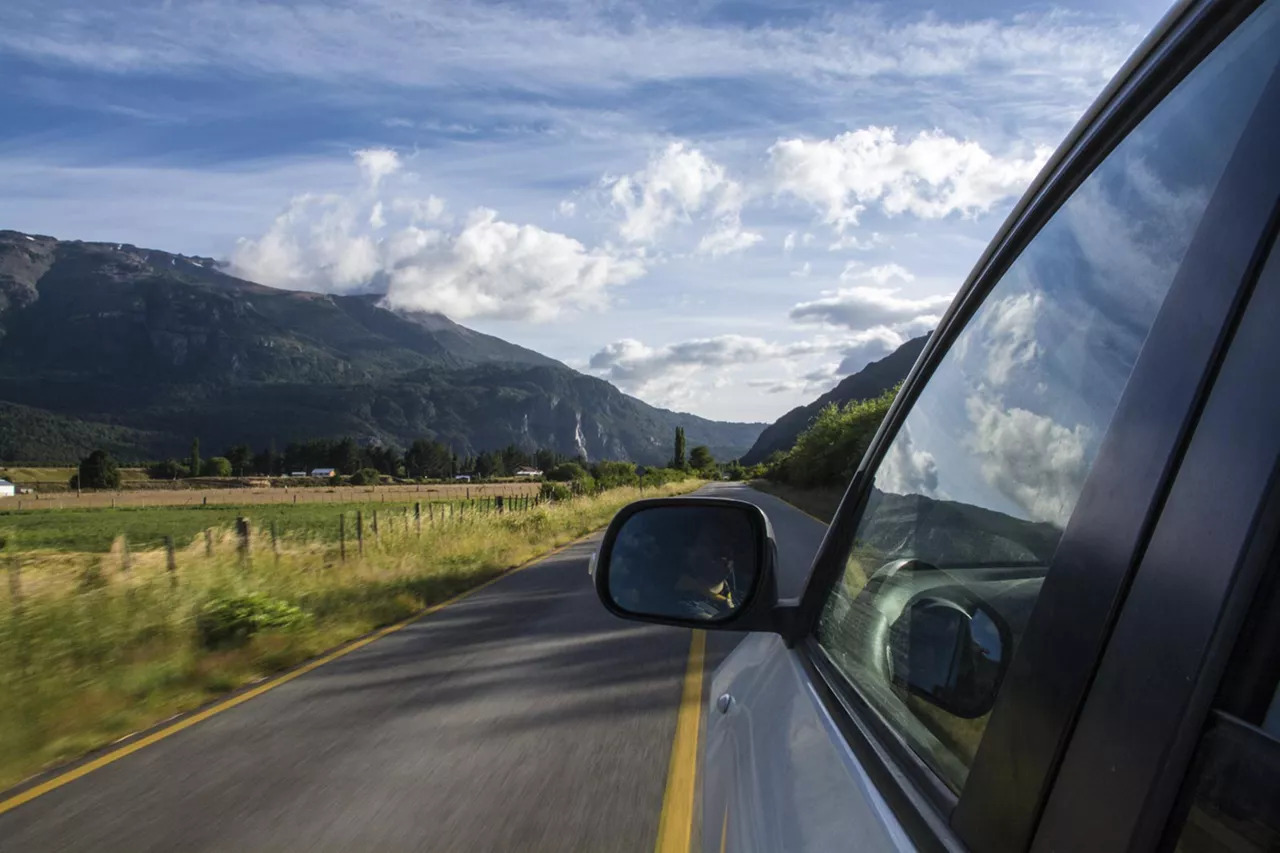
(323, 472)
(7, 489)
(466, 477)
(525, 471)
(297, 473)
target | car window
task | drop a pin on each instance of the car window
(1230, 798)
(970, 500)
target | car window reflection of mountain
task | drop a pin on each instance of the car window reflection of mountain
(951, 534)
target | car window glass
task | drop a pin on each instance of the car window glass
(1231, 797)
(972, 496)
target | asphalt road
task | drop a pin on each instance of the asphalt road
(524, 717)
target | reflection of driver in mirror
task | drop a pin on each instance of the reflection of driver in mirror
(709, 571)
(683, 562)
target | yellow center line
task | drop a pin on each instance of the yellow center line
(187, 722)
(675, 828)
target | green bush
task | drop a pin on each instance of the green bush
(216, 466)
(556, 492)
(170, 469)
(654, 477)
(366, 477)
(829, 450)
(231, 620)
(612, 475)
(567, 472)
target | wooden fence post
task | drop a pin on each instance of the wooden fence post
(497, 503)
(208, 541)
(417, 515)
(244, 533)
(375, 524)
(342, 538)
(171, 561)
(360, 532)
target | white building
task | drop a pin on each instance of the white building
(324, 473)
(525, 471)
(7, 489)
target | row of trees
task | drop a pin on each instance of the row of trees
(699, 459)
(425, 458)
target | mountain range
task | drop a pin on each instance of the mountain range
(138, 351)
(872, 381)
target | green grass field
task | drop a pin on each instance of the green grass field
(94, 530)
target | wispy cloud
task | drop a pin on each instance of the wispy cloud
(581, 44)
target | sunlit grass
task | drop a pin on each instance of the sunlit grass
(96, 645)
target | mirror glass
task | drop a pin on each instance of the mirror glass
(948, 653)
(684, 562)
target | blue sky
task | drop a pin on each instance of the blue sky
(720, 207)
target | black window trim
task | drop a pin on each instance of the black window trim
(1187, 614)
(982, 817)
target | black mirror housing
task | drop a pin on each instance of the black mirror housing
(692, 562)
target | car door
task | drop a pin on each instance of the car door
(964, 595)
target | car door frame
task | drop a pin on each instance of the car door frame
(1154, 688)
(1014, 768)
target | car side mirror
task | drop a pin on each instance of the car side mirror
(689, 561)
(950, 650)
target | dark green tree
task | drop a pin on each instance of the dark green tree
(268, 462)
(546, 459)
(431, 459)
(99, 471)
(170, 469)
(217, 466)
(241, 458)
(385, 460)
(193, 466)
(513, 457)
(700, 458)
(345, 456)
(677, 458)
(489, 464)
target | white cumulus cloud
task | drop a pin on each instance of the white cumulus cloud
(1036, 462)
(677, 187)
(377, 163)
(361, 242)
(930, 175)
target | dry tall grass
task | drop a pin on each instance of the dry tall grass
(95, 646)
